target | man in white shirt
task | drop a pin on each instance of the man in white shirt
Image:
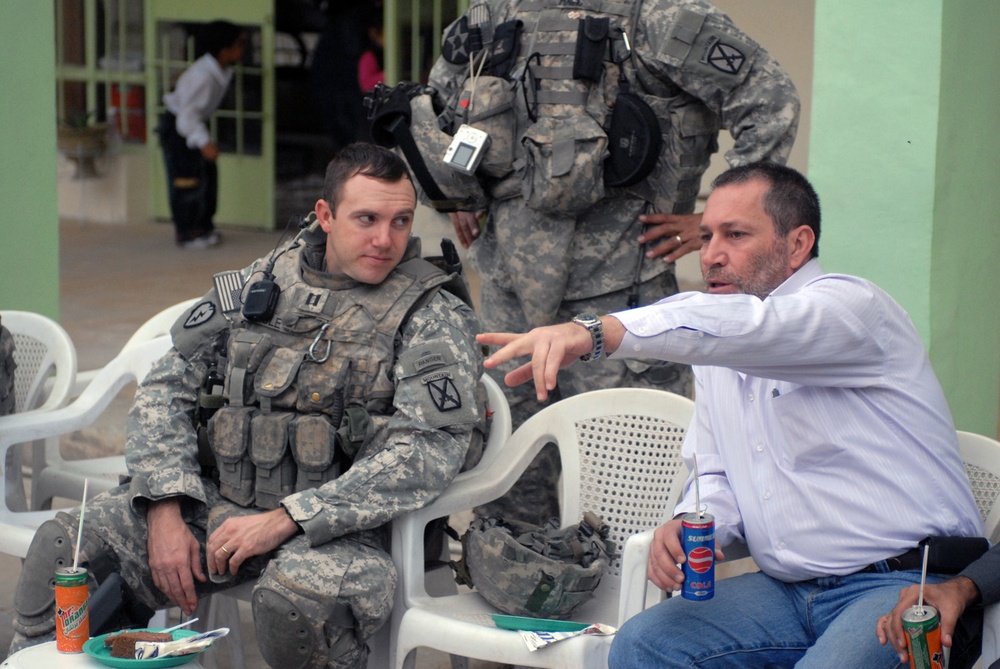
(189, 154)
(823, 439)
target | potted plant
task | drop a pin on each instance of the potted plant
(81, 142)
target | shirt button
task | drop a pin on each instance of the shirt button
(781, 545)
(636, 347)
(750, 397)
(760, 448)
(767, 494)
(642, 329)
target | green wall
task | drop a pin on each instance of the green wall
(965, 287)
(29, 220)
(904, 155)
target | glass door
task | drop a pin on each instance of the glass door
(243, 127)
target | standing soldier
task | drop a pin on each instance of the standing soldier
(601, 118)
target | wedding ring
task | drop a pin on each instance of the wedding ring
(680, 242)
(225, 550)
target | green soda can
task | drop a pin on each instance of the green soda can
(923, 637)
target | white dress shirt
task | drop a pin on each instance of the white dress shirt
(198, 93)
(823, 437)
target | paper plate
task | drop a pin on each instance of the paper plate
(537, 624)
(96, 649)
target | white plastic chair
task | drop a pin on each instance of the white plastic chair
(45, 374)
(18, 527)
(222, 609)
(51, 474)
(981, 456)
(620, 451)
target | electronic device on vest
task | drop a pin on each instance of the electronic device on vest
(529, 113)
(467, 149)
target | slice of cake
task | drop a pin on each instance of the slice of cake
(122, 644)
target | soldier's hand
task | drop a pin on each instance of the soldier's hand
(466, 224)
(678, 235)
(174, 554)
(241, 538)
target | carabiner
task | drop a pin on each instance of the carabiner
(312, 347)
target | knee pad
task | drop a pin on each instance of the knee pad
(34, 598)
(298, 633)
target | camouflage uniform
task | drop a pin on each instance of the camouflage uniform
(7, 367)
(544, 263)
(409, 423)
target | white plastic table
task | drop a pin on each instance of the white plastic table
(45, 656)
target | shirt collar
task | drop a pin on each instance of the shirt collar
(801, 277)
(220, 75)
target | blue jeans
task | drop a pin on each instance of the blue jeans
(757, 621)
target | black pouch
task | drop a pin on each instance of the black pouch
(503, 54)
(950, 555)
(591, 45)
(634, 141)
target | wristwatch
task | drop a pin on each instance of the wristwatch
(593, 325)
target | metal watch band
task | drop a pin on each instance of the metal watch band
(596, 330)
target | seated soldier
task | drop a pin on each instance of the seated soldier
(350, 400)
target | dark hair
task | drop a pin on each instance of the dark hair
(790, 200)
(362, 158)
(218, 35)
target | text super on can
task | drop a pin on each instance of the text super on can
(72, 612)
(698, 541)
(923, 637)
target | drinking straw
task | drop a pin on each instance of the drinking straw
(79, 532)
(183, 624)
(697, 490)
(923, 577)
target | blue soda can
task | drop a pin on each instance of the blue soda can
(698, 540)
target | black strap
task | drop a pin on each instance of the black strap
(400, 131)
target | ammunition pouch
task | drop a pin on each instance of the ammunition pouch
(634, 141)
(564, 163)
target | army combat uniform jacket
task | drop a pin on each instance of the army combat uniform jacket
(696, 70)
(419, 408)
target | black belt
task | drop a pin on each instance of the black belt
(911, 559)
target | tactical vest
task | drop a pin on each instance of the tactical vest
(547, 95)
(305, 389)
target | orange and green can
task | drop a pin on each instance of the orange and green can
(923, 637)
(72, 611)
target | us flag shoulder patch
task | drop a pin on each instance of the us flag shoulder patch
(229, 286)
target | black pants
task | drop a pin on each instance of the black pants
(192, 181)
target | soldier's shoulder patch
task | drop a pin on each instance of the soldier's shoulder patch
(726, 58)
(455, 47)
(443, 392)
(229, 287)
(200, 314)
